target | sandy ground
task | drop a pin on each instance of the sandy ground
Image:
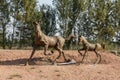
(12, 66)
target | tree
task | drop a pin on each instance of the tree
(116, 16)
(47, 18)
(98, 20)
(5, 18)
(62, 15)
(23, 16)
(68, 12)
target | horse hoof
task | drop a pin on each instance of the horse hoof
(45, 54)
(52, 52)
(26, 64)
(54, 63)
(68, 60)
(49, 53)
(49, 60)
(77, 64)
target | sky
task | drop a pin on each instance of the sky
(40, 2)
(49, 2)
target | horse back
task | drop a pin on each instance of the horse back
(60, 40)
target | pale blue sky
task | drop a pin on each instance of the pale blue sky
(49, 2)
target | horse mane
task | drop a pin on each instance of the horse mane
(38, 31)
(85, 40)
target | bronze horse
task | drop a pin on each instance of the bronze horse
(56, 42)
(89, 47)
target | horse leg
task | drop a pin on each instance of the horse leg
(57, 56)
(59, 48)
(65, 57)
(33, 51)
(60, 52)
(80, 52)
(98, 55)
(84, 55)
(100, 58)
(45, 49)
(52, 51)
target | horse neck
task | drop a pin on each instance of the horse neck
(38, 32)
(84, 42)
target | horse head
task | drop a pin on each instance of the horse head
(36, 23)
(81, 39)
(37, 26)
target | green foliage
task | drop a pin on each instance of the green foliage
(98, 20)
(68, 14)
(46, 15)
(22, 12)
(4, 19)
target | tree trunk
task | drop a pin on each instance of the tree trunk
(4, 37)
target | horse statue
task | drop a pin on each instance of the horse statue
(56, 42)
(89, 47)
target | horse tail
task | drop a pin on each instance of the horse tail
(70, 37)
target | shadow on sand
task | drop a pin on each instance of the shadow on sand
(34, 61)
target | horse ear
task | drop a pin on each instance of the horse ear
(35, 22)
(38, 21)
(79, 36)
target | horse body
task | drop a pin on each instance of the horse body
(45, 41)
(92, 47)
(41, 39)
(89, 47)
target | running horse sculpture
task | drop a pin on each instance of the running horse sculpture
(89, 47)
(45, 41)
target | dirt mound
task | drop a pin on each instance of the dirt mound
(106, 57)
(12, 61)
(109, 58)
(16, 57)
